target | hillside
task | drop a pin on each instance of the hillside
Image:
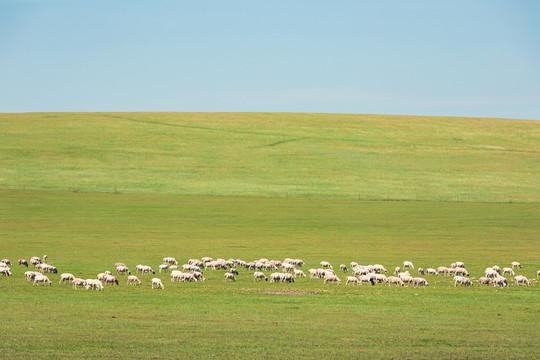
(280, 155)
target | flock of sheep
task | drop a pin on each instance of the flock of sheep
(290, 270)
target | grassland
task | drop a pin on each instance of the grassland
(323, 156)
(282, 185)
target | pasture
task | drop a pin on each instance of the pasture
(86, 233)
(92, 189)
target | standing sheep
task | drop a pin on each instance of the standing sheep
(352, 279)
(395, 280)
(23, 262)
(66, 276)
(259, 275)
(397, 270)
(408, 265)
(299, 273)
(41, 278)
(516, 265)
(508, 271)
(520, 279)
(332, 278)
(229, 276)
(158, 283)
(343, 268)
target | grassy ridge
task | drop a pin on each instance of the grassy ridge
(86, 233)
(274, 155)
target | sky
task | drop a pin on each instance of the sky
(448, 58)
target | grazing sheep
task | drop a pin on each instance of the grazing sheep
(395, 280)
(23, 262)
(343, 268)
(164, 267)
(5, 271)
(233, 271)
(461, 280)
(133, 280)
(537, 274)
(122, 269)
(378, 268)
(176, 275)
(332, 278)
(288, 267)
(30, 275)
(119, 264)
(500, 281)
(366, 279)
(408, 265)
(491, 273)
(497, 269)
(288, 278)
(44, 258)
(108, 272)
(380, 278)
(41, 278)
(517, 265)
(158, 283)
(110, 279)
(484, 281)
(198, 276)
(66, 276)
(173, 267)
(418, 281)
(7, 262)
(101, 276)
(457, 264)
(275, 277)
(520, 279)
(359, 270)
(34, 260)
(313, 273)
(443, 270)
(299, 273)
(195, 262)
(326, 264)
(78, 282)
(170, 260)
(259, 275)
(404, 274)
(229, 276)
(421, 271)
(94, 284)
(206, 259)
(508, 271)
(352, 279)
(431, 271)
(397, 270)
(461, 271)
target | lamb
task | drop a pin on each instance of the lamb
(110, 279)
(508, 271)
(431, 271)
(23, 262)
(332, 278)
(418, 281)
(520, 279)
(517, 265)
(461, 280)
(408, 264)
(395, 280)
(229, 276)
(170, 260)
(122, 269)
(421, 271)
(133, 280)
(41, 278)
(164, 267)
(343, 268)
(299, 273)
(5, 271)
(326, 264)
(78, 282)
(94, 284)
(158, 283)
(353, 280)
(484, 280)
(66, 276)
(259, 275)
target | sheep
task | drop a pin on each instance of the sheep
(195, 262)
(500, 281)
(7, 262)
(176, 275)
(5, 271)
(343, 268)
(44, 258)
(404, 274)
(259, 275)
(41, 278)
(108, 272)
(461, 271)
(358, 270)
(122, 269)
(118, 264)
(407, 279)
(366, 279)
(173, 267)
(94, 284)
(326, 264)
(233, 271)
(508, 271)
(491, 273)
(421, 271)
(457, 264)
(537, 274)
(395, 280)
(30, 275)
(288, 278)
(34, 260)
(158, 283)
(229, 276)
(408, 265)
(380, 278)
(497, 269)
(353, 280)
(111, 279)
(101, 276)
(379, 268)
(164, 267)
(133, 280)
(313, 273)
(198, 276)
(66, 276)
(418, 281)
(275, 277)
(443, 270)
(484, 281)
(170, 260)
(431, 271)
(288, 267)
(397, 270)
(520, 279)
(332, 278)
(78, 282)
(206, 259)
(517, 265)
(461, 280)
(299, 273)
(23, 262)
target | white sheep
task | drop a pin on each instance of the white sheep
(443, 270)
(343, 268)
(395, 280)
(7, 262)
(170, 260)
(122, 269)
(259, 275)
(158, 283)
(326, 264)
(461, 271)
(164, 267)
(78, 282)
(41, 278)
(497, 269)
(461, 280)
(229, 276)
(34, 260)
(484, 280)
(408, 265)
(397, 270)
(418, 281)
(66, 276)
(30, 275)
(431, 271)
(275, 277)
(133, 280)
(23, 262)
(508, 271)
(421, 271)
(5, 271)
(491, 272)
(517, 265)
(500, 281)
(300, 273)
(313, 274)
(520, 279)
(110, 279)
(145, 269)
(94, 284)
(378, 268)
(332, 278)
(353, 280)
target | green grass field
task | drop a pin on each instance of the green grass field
(258, 160)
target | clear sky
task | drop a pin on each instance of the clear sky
(458, 58)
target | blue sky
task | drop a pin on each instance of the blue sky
(456, 58)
